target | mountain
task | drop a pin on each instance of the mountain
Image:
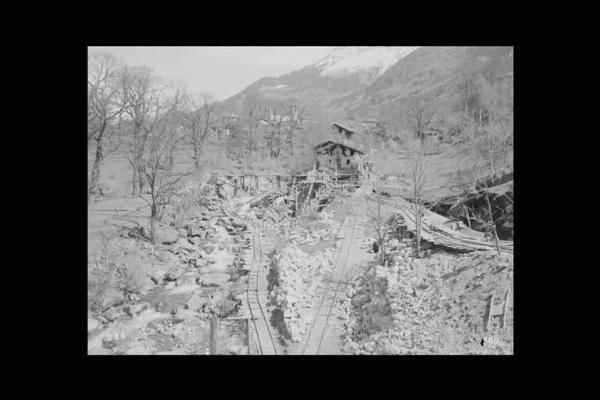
(376, 82)
(367, 62)
(342, 72)
(432, 72)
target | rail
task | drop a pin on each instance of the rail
(264, 335)
(318, 328)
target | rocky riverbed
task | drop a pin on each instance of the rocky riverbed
(158, 299)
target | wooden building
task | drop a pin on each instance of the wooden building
(345, 131)
(337, 157)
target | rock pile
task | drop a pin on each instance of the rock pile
(295, 288)
(435, 305)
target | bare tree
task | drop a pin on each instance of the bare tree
(496, 100)
(297, 112)
(418, 175)
(473, 134)
(466, 83)
(161, 133)
(104, 109)
(200, 117)
(138, 95)
(420, 116)
(254, 111)
(376, 222)
(492, 223)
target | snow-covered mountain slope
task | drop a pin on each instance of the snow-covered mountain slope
(343, 71)
(366, 82)
(343, 61)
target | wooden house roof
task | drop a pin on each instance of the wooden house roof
(347, 126)
(326, 146)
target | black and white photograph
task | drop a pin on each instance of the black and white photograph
(300, 200)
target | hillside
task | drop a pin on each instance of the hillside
(344, 71)
(375, 82)
(433, 72)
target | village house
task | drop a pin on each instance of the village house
(272, 117)
(345, 131)
(337, 157)
(348, 131)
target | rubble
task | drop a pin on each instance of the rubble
(294, 287)
(435, 305)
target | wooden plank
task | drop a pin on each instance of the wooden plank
(434, 230)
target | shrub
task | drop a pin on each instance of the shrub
(112, 266)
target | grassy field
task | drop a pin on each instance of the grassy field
(109, 214)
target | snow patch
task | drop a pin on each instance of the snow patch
(344, 61)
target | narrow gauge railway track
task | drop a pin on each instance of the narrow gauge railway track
(320, 322)
(264, 336)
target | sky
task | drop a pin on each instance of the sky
(222, 71)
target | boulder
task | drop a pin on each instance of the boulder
(193, 230)
(148, 284)
(220, 266)
(92, 324)
(166, 235)
(135, 309)
(175, 272)
(207, 249)
(201, 262)
(182, 232)
(184, 314)
(97, 351)
(214, 279)
(112, 297)
(195, 240)
(167, 257)
(158, 274)
(113, 313)
(184, 244)
(187, 279)
(196, 302)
